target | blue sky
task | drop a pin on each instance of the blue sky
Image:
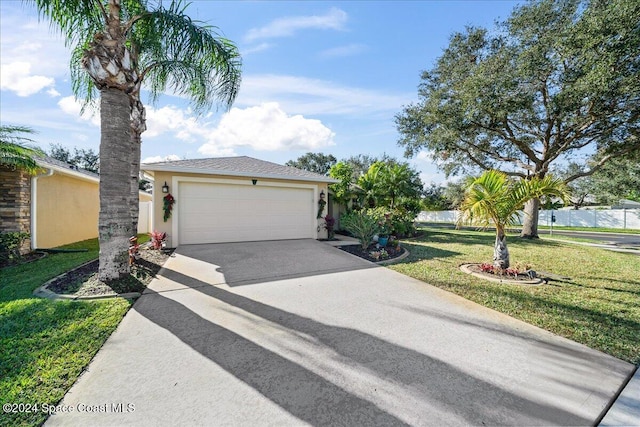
(317, 76)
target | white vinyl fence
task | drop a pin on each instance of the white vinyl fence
(596, 218)
(144, 221)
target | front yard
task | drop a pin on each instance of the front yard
(45, 345)
(597, 307)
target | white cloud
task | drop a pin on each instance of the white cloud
(72, 107)
(52, 92)
(26, 39)
(335, 19)
(306, 96)
(255, 49)
(343, 51)
(172, 119)
(17, 77)
(266, 127)
(156, 159)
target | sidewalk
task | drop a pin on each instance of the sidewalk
(626, 409)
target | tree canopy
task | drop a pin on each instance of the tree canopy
(386, 183)
(555, 78)
(314, 162)
(86, 159)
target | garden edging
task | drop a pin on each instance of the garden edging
(466, 268)
(44, 292)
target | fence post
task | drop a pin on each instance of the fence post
(595, 218)
(624, 211)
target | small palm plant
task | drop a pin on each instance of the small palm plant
(495, 199)
(15, 149)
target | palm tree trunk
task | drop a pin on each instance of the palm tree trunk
(500, 250)
(530, 223)
(114, 224)
(138, 125)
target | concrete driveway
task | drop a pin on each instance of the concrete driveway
(300, 333)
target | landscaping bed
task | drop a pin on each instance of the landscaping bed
(83, 281)
(374, 253)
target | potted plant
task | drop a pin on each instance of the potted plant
(383, 234)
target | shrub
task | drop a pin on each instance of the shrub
(397, 222)
(329, 224)
(10, 244)
(362, 225)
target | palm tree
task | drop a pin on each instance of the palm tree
(370, 183)
(495, 199)
(118, 45)
(15, 149)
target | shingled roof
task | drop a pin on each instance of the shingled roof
(236, 166)
(51, 163)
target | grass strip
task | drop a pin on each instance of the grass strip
(44, 344)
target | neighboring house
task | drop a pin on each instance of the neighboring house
(57, 207)
(237, 199)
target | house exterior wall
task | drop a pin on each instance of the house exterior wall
(67, 210)
(15, 202)
(167, 227)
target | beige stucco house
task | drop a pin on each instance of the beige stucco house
(237, 199)
(58, 206)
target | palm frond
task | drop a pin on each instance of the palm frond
(16, 150)
(493, 198)
(74, 19)
(187, 57)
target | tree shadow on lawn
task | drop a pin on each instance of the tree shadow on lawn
(423, 251)
(606, 288)
(316, 400)
(479, 237)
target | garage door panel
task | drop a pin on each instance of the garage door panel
(210, 213)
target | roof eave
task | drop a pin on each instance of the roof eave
(64, 171)
(164, 168)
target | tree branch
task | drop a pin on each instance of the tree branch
(599, 164)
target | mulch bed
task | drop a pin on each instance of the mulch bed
(24, 259)
(522, 278)
(83, 281)
(357, 251)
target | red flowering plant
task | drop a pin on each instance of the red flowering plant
(168, 202)
(492, 269)
(329, 224)
(157, 239)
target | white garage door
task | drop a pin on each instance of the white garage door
(214, 213)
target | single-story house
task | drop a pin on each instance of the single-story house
(58, 206)
(236, 199)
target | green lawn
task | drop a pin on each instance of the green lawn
(597, 307)
(45, 345)
(591, 229)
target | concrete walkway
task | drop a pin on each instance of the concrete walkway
(299, 333)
